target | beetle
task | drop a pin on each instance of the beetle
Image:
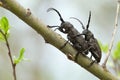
(94, 47)
(77, 40)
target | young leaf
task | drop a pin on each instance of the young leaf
(20, 57)
(4, 28)
(2, 37)
(4, 25)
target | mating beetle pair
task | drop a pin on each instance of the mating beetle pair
(83, 42)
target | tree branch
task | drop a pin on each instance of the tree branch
(55, 39)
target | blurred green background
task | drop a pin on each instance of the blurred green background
(47, 62)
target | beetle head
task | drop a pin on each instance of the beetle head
(66, 26)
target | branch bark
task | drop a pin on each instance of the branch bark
(55, 39)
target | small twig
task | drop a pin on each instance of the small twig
(113, 35)
(9, 53)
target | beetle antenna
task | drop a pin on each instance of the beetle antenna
(88, 20)
(78, 21)
(61, 19)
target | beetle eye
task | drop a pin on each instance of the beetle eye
(63, 29)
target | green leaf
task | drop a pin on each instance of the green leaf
(4, 25)
(2, 37)
(20, 57)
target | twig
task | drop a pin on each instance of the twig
(9, 53)
(113, 35)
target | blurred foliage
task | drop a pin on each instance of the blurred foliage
(115, 57)
(104, 47)
(116, 52)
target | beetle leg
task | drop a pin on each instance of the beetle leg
(76, 56)
(64, 44)
(52, 26)
(92, 63)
